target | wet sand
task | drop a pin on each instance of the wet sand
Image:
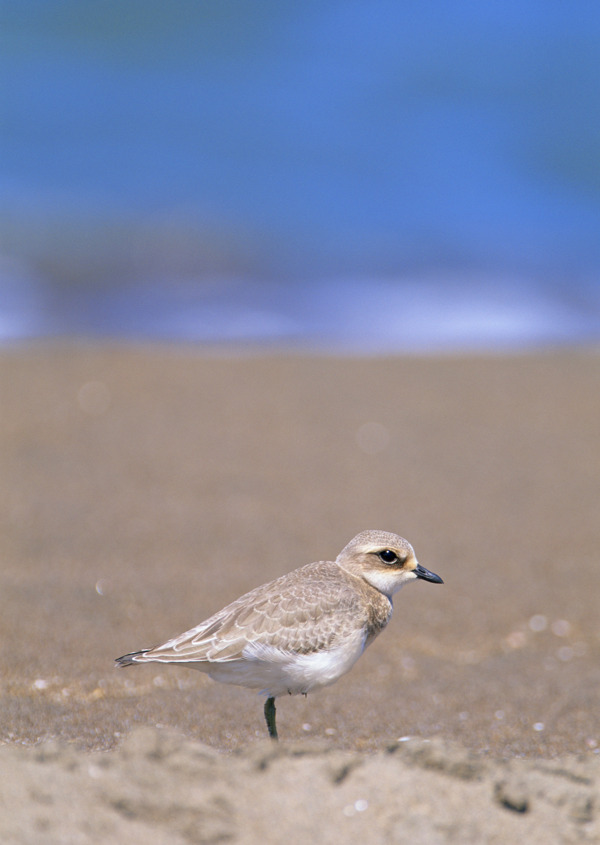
(143, 488)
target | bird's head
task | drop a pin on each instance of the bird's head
(386, 561)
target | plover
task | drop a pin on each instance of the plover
(302, 631)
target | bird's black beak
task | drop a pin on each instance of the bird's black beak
(426, 575)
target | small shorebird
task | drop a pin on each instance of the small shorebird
(305, 629)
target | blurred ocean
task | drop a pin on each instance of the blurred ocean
(364, 176)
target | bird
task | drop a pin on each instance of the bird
(302, 631)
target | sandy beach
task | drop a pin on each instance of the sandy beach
(144, 487)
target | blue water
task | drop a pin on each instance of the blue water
(375, 176)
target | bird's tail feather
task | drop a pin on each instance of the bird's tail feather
(131, 658)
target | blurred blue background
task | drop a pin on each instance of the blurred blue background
(360, 176)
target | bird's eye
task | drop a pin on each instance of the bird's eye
(388, 556)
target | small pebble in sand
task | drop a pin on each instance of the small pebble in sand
(359, 806)
(538, 726)
(516, 639)
(561, 628)
(565, 653)
(538, 622)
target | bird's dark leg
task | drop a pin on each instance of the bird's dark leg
(270, 717)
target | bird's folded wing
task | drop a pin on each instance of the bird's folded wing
(302, 612)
